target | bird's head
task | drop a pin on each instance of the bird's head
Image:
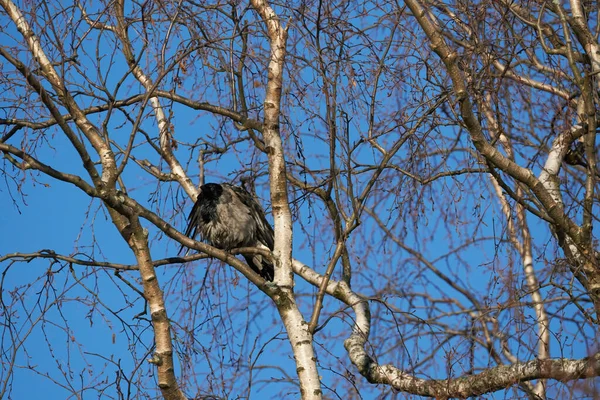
(211, 191)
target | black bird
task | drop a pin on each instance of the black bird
(228, 217)
(576, 155)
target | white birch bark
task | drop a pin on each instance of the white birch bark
(299, 335)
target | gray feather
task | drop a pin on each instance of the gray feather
(229, 217)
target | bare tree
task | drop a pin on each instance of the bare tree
(429, 168)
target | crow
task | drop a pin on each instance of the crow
(576, 155)
(228, 217)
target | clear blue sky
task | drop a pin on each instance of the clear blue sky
(97, 306)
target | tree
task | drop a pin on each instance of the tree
(429, 168)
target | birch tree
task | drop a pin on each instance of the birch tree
(429, 168)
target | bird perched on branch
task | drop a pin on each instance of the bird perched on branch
(228, 217)
(576, 155)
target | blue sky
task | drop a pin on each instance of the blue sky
(98, 323)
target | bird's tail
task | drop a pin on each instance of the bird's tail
(262, 266)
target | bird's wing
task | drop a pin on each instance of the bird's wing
(192, 226)
(264, 231)
(193, 219)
